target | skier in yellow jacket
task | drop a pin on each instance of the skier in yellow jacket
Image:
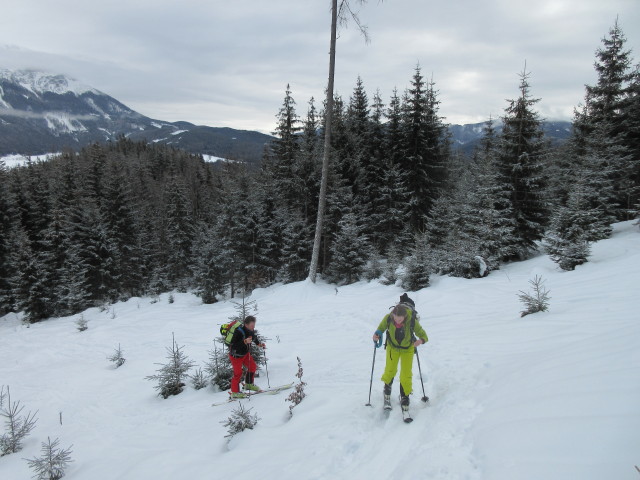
(404, 333)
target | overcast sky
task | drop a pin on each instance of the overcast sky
(227, 63)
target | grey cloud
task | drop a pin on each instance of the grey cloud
(9, 112)
(227, 63)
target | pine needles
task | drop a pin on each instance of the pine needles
(538, 301)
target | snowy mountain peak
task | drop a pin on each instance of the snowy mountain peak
(40, 82)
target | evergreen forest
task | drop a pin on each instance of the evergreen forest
(123, 219)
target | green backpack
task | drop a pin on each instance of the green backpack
(228, 329)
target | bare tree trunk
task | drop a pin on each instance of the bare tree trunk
(322, 200)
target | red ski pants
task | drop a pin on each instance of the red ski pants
(237, 363)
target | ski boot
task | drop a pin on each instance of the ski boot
(404, 400)
(387, 396)
(238, 395)
(248, 382)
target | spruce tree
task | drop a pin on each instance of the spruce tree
(414, 156)
(296, 248)
(631, 140)
(491, 203)
(208, 265)
(284, 150)
(308, 166)
(609, 106)
(348, 252)
(119, 214)
(419, 265)
(567, 240)
(6, 297)
(371, 177)
(29, 288)
(178, 233)
(172, 375)
(522, 152)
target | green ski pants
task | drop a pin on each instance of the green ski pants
(405, 357)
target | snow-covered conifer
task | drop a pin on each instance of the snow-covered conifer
(219, 368)
(16, 425)
(296, 248)
(348, 251)
(419, 265)
(53, 462)
(172, 375)
(240, 420)
(538, 300)
(117, 357)
(374, 267)
(522, 151)
(82, 323)
(199, 379)
(394, 260)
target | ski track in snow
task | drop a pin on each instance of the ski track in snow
(551, 396)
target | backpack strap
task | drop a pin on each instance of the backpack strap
(412, 328)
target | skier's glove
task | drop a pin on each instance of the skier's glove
(379, 342)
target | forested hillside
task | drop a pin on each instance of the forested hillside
(122, 219)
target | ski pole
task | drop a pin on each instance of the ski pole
(371, 381)
(425, 399)
(266, 366)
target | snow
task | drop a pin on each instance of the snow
(178, 132)
(39, 82)
(61, 122)
(17, 160)
(214, 159)
(89, 101)
(551, 396)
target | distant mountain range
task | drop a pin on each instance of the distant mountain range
(466, 137)
(43, 112)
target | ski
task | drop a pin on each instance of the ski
(268, 391)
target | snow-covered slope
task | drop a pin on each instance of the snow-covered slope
(551, 396)
(40, 82)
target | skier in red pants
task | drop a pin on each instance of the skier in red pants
(240, 355)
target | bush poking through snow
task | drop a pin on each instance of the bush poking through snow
(538, 301)
(17, 427)
(81, 323)
(170, 377)
(240, 420)
(117, 357)
(199, 379)
(53, 462)
(298, 393)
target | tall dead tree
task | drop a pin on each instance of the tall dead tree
(338, 13)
